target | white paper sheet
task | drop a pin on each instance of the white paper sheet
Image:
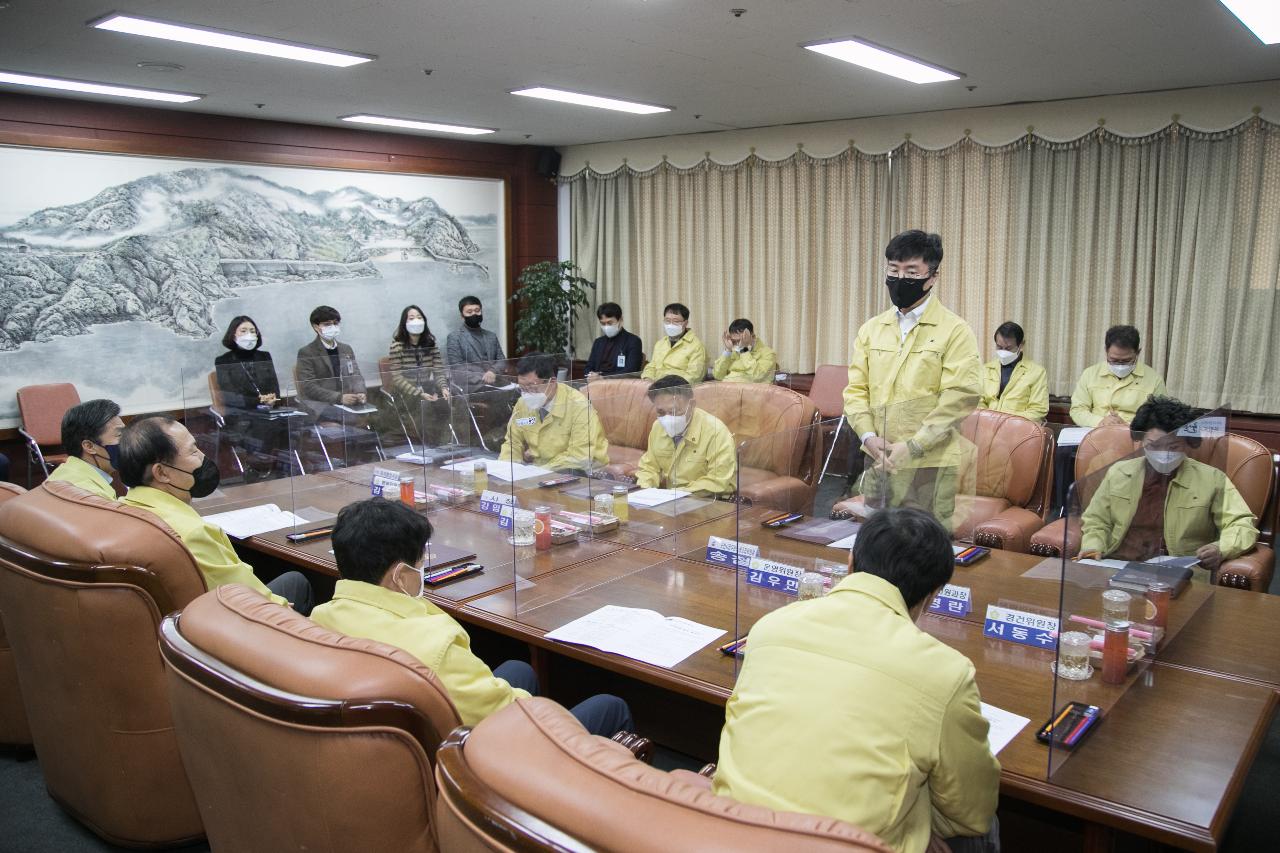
(243, 523)
(845, 544)
(1106, 564)
(363, 409)
(1003, 726)
(508, 471)
(654, 497)
(642, 635)
(1071, 436)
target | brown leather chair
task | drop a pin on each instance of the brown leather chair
(14, 730)
(41, 408)
(779, 448)
(1247, 463)
(495, 796)
(83, 584)
(296, 737)
(1012, 477)
(626, 416)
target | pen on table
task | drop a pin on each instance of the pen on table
(1054, 724)
(1098, 623)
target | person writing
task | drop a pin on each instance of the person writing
(418, 375)
(689, 449)
(552, 426)
(379, 547)
(680, 353)
(1110, 392)
(616, 351)
(165, 470)
(1012, 383)
(91, 439)
(1164, 503)
(845, 708)
(745, 359)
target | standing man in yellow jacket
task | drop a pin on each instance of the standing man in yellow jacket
(1012, 383)
(745, 358)
(689, 449)
(680, 353)
(553, 425)
(1110, 392)
(914, 376)
(845, 708)
(91, 438)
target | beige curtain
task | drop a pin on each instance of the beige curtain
(1177, 233)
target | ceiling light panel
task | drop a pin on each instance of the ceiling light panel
(585, 100)
(18, 79)
(1262, 17)
(876, 58)
(414, 124)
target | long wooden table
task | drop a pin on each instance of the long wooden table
(1167, 764)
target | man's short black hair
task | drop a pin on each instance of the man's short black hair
(325, 314)
(229, 336)
(671, 384)
(372, 535)
(910, 245)
(676, 308)
(611, 310)
(469, 300)
(1125, 337)
(1165, 414)
(741, 325)
(537, 362)
(1010, 331)
(86, 421)
(909, 548)
(143, 443)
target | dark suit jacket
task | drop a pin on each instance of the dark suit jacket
(243, 377)
(605, 352)
(317, 385)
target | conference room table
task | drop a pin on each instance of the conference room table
(1167, 764)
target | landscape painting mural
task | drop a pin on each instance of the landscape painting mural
(120, 273)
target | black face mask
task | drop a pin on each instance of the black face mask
(905, 292)
(474, 321)
(113, 454)
(204, 479)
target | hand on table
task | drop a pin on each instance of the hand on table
(1210, 556)
(489, 377)
(1091, 554)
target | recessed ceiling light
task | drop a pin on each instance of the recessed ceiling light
(19, 79)
(876, 58)
(162, 67)
(590, 100)
(1261, 16)
(227, 40)
(412, 124)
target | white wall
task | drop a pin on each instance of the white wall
(1206, 108)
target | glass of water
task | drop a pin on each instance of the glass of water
(1073, 656)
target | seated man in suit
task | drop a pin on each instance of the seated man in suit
(328, 374)
(1110, 392)
(845, 708)
(616, 351)
(474, 354)
(689, 449)
(745, 358)
(379, 548)
(1013, 383)
(1164, 503)
(91, 438)
(165, 470)
(553, 426)
(680, 353)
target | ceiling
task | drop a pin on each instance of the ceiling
(718, 71)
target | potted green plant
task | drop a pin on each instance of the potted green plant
(548, 297)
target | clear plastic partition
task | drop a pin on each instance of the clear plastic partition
(1138, 546)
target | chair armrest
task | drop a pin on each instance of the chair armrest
(1048, 542)
(694, 780)
(1010, 530)
(34, 447)
(708, 770)
(1249, 571)
(640, 747)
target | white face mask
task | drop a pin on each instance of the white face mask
(422, 579)
(1164, 461)
(675, 424)
(415, 327)
(534, 401)
(246, 341)
(611, 331)
(1121, 370)
(1007, 356)
(330, 333)
(672, 329)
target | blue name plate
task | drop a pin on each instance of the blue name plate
(1018, 626)
(384, 480)
(506, 517)
(952, 601)
(730, 552)
(493, 502)
(771, 575)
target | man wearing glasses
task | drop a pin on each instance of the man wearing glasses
(914, 376)
(553, 426)
(1110, 392)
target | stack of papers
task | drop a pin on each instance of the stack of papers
(642, 635)
(1003, 727)
(509, 471)
(1071, 436)
(846, 543)
(243, 523)
(654, 497)
(362, 409)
